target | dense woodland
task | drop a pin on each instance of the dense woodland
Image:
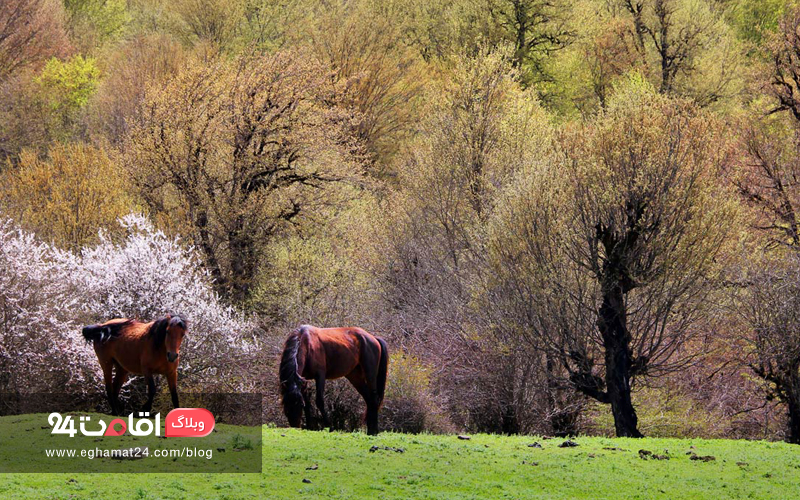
(564, 216)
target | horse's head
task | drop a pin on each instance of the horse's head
(293, 402)
(176, 329)
(292, 384)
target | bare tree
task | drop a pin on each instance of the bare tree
(381, 78)
(536, 28)
(768, 179)
(31, 31)
(611, 54)
(610, 271)
(784, 82)
(239, 153)
(771, 307)
(139, 62)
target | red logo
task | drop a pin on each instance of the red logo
(111, 431)
(189, 422)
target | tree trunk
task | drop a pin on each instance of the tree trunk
(212, 263)
(242, 260)
(520, 40)
(509, 421)
(618, 365)
(612, 323)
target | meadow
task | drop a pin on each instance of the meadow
(320, 464)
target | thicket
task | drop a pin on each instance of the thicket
(564, 217)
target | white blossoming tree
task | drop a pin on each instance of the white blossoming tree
(39, 348)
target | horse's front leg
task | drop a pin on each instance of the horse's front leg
(321, 400)
(172, 381)
(307, 405)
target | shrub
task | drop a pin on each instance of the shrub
(67, 197)
(409, 405)
(40, 346)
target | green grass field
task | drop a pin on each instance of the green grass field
(342, 466)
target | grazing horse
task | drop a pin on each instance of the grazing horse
(318, 354)
(139, 348)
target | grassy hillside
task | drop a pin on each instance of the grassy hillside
(485, 466)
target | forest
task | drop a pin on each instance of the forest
(565, 217)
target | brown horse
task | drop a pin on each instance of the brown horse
(329, 353)
(133, 347)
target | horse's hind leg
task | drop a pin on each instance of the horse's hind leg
(119, 380)
(372, 413)
(107, 377)
(369, 364)
(321, 401)
(360, 381)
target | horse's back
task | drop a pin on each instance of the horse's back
(335, 351)
(124, 343)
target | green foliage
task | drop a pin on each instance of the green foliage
(536, 29)
(324, 273)
(97, 21)
(240, 442)
(755, 19)
(210, 21)
(69, 84)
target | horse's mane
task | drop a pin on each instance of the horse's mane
(158, 330)
(291, 381)
(288, 368)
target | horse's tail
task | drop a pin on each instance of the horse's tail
(96, 333)
(383, 368)
(291, 382)
(107, 331)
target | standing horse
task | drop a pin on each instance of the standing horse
(329, 353)
(133, 347)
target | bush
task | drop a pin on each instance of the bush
(409, 405)
(40, 345)
(344, 405)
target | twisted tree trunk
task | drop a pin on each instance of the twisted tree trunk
(616, 340)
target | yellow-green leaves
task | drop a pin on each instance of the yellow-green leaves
(67, 197)
(68, 85)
